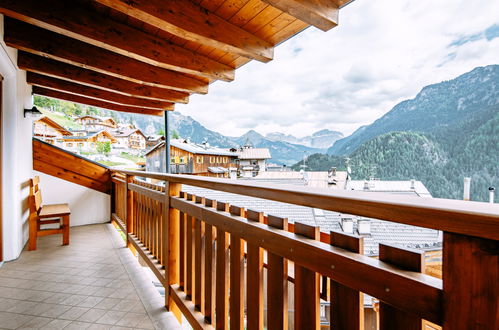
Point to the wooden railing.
(211, 256)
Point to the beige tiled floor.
(94, 283)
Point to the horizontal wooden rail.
(370, 274)
(461, 217)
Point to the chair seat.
(54, 210)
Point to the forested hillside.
(469, 148)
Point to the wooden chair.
(46, 214)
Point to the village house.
(48, 130)
(252, 161)
(129, 138)
(96, 123)
(190, 158)
(85, 141)
(153, 140)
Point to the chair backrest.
(35, 194)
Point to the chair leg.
(33, 233)
(65, 230)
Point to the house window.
(70, 145)
(80, 144)
(225, 160)
(199, 159)
(218, 160)
(212, 160)
(182, 160)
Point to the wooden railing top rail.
(461, 217)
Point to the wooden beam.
(190, 21)
(70, 176)
(42, 42)
(48, 67)
(96, 93)
(322, 14)
(93, 102)
(96, 29)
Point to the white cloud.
(381, 53)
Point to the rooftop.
(197, 149)
(254, 153)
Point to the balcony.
(220, 265)
(224, 266)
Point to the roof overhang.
(145, 56)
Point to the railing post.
(113, 198)
(172, 246)
(410, 260)
(471, 282)
(129, 209)
(306, 287)
(347, 304)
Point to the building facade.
(252, 161)
(95, 123)
(85, 142)
(130, 138)
(190, 158)
(47, 130)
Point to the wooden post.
(307, 299)
(389, 316)
(347, 305)
(471, 282)
(113, 198)
(222, 275)
(236, 298)
(209, 236)
(199, 276)
(173, 246)
(254, 279)
(129, 209)
(277, 283)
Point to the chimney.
(366, 185)
(467, 186)
(413, 184)
(347, 225)
(364, 226)
(491, 195)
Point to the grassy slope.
(61, 119)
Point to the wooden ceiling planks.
(90, 27)
(320, 13)
(52, 45)
(191, 22)
(150, 52)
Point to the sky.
(382, 52)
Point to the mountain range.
(321, 139)
(449, 131)
(287, 150)
(435, 107)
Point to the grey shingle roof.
(381, 231)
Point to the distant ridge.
(436, 106)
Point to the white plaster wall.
(17, 151)
(87, 206)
